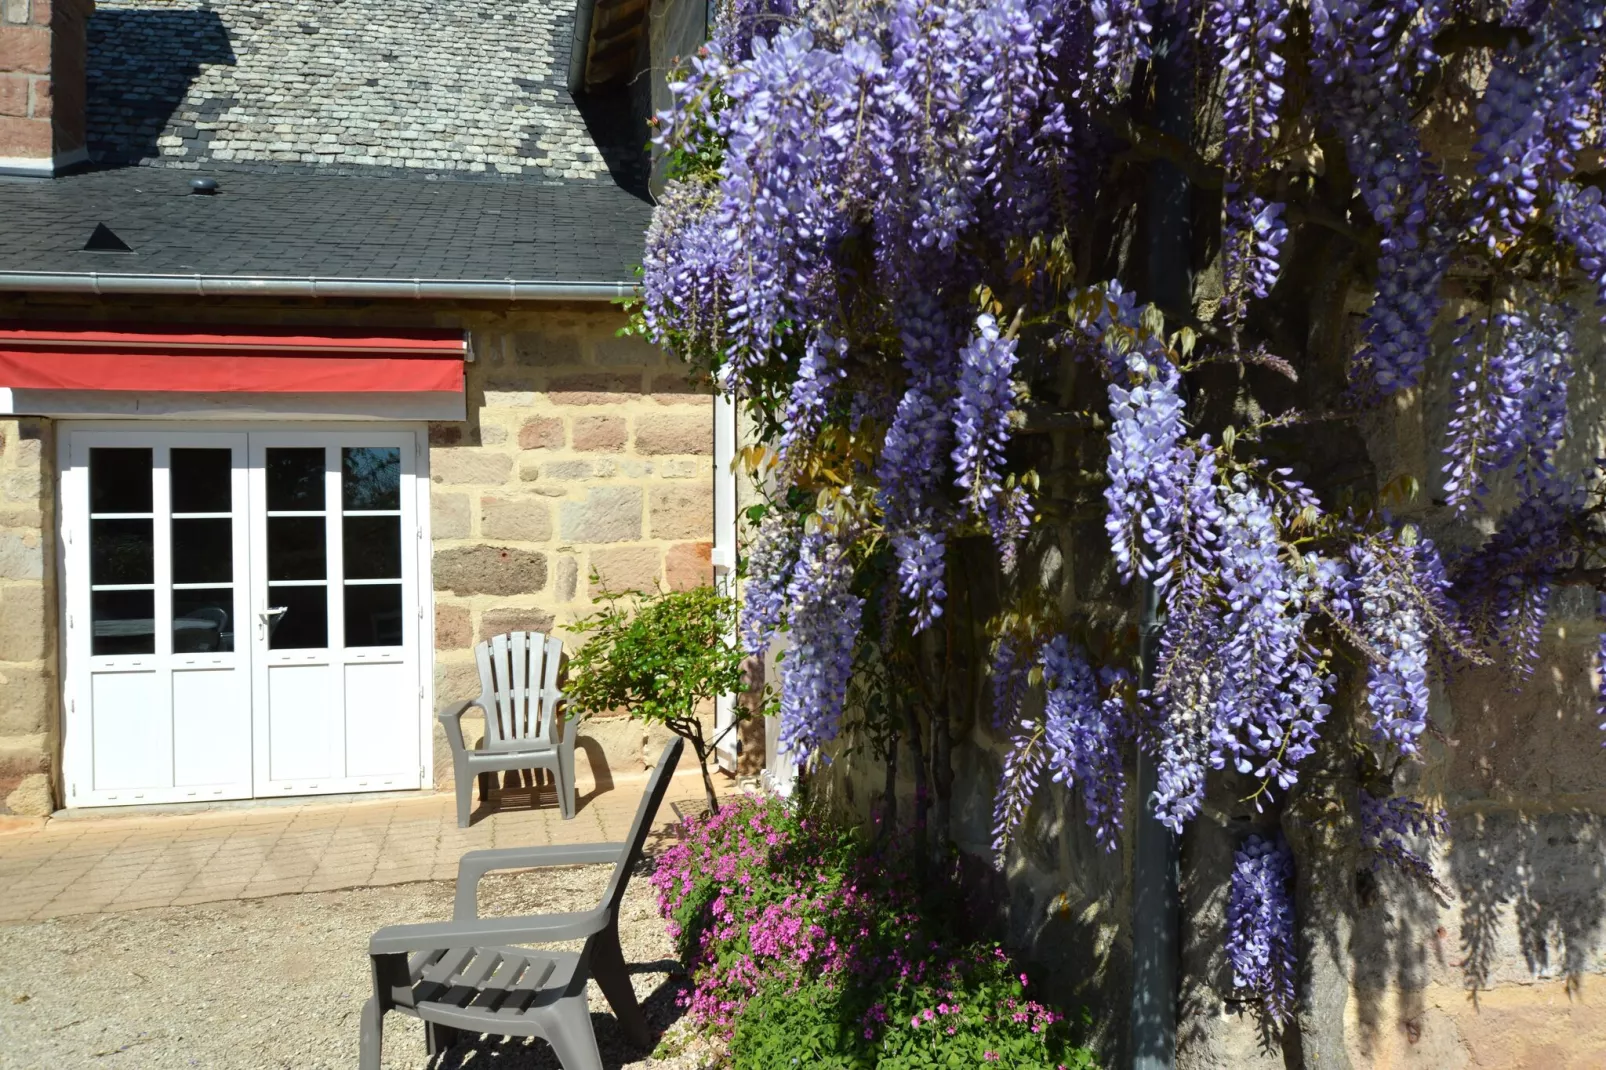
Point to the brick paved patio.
(118, 860)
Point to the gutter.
(94, 282)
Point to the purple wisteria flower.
(1260, 925)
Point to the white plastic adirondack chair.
(523, 730)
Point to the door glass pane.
(119, 480)
(295, 479)
(372, 547)
(203, 551)
(201, 481)
(122, 622)
(374, 614)
(203, 620)
(296, 548)
(304, 624)
(121, 551)
(371, 477)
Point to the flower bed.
(807, 949)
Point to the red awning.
(250, 360)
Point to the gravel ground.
(277, 983)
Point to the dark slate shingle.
(331, 226)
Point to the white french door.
(243, 614)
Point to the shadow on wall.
(141, 65)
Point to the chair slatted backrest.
(519, 688)
(657, 785)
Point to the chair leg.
(488, 784)
(438, 1038)
(564, 775)
(613, 977)
(371, 1044)
(571, 1036)
(465, 795)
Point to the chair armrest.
(484, 932)
(477, 864)
(451, 718)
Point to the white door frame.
(75, 771)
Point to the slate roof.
(463, 86)
(330, 226)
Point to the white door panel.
(154, 537)
(132, 740)
(335, 588)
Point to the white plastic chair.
(523, 728)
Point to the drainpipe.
(724, 554)
(1152, 1023)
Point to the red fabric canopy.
(253, 360)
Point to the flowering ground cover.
(807, 947)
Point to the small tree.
(660, 656)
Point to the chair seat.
(487, 989)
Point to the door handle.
(268, 617)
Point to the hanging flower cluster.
(1260, 924)
(872, 237)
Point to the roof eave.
(517, 290)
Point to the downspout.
(585, 12)
(1152, 1023)
(724, 556)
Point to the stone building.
(311, 379)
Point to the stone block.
(624, 568)
(27, 138)
(25, 49)
(518, 519)
(456, 678)
(14, 11)
(607, 514)
(449, 516)
(568, 578)
(543, 349)
(660, 434)
(688, 564)
(21, 556)
(42, 105)
(466, 570)
(684, 511)
(469, 464)
(594, 388)
(515, 619)
(454, 628)
(445, 434)
(677, 388)
(14, 94)
(628, 353)
(541, 433)
(23, 624)
(32, 797)
(600, 433)
(577, 469)
(22, 755)
(27, 701)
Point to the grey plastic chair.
(462, 975)
(523, 727)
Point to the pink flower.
(990, 1056)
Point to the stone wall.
(1506, 970)
(29, 697)
(586, 465)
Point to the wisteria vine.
(883, 224)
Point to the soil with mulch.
(278, 983)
